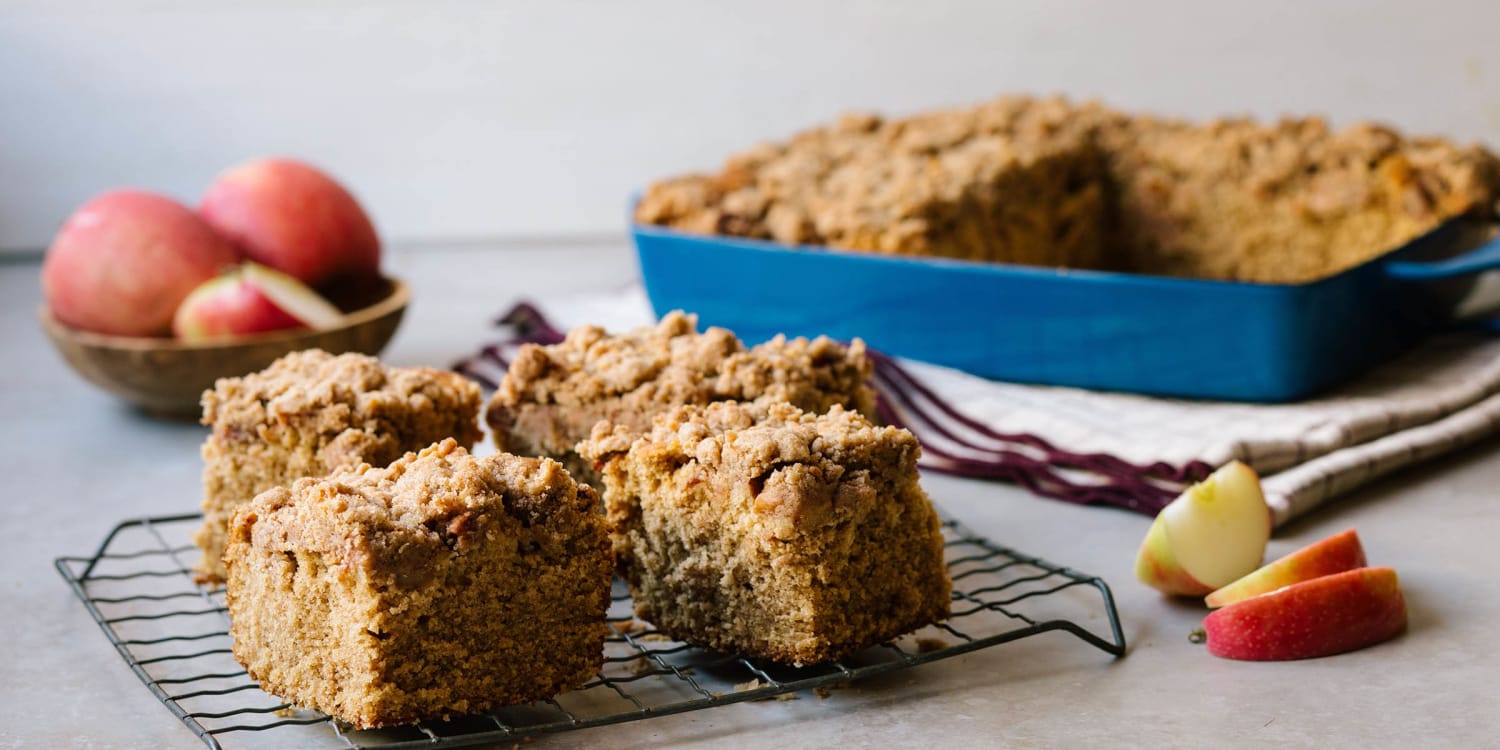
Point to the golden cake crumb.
(928, 645)
(763, 530)
(442, 585)
(311, 412)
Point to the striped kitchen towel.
(1130, 451)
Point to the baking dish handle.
(1483, 258)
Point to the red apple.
(1334, 554)
(251, 299)
(1319, 617)
(125, 260)
(294, 218)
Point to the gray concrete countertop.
(77, 462)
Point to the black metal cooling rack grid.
(174, 635)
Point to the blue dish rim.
(997, 268)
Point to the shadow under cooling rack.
(174, 635)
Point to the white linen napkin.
(1136, 451)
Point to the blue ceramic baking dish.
(1111, 331)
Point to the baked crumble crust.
(553, 395)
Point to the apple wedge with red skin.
(248, 300)
(1334, 554)
(1210, 536)
(1318, 617)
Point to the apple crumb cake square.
(442, 585)
(311, 412)
(763, 530)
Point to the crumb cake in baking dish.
(1050, 182)
(442, 585)
(311, 412)
(763, 530)
(553, 395)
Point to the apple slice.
(251, 299)
(1334, 554)
(1212, 534)
(1318, 617)
(294, 297)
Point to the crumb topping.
(676, 364)
(553, 395)
(396, 520)
(314, 391)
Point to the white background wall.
(460, 120)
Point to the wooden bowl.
(167, 377)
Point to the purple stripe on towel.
(905, 401)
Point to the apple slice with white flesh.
(1318, 617)
(1211, 535)
(251, 299)
(1335, 554)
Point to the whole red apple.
(251, 299)
(124, 261)
(294, 218)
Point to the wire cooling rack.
(174, 636)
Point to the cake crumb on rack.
(629, 626)
(929, 645)
(640, 665)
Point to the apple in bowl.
(295, 218)
(131, 268)
(125, 260)
(251, 299)
(167, 376)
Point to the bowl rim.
(398, 298)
